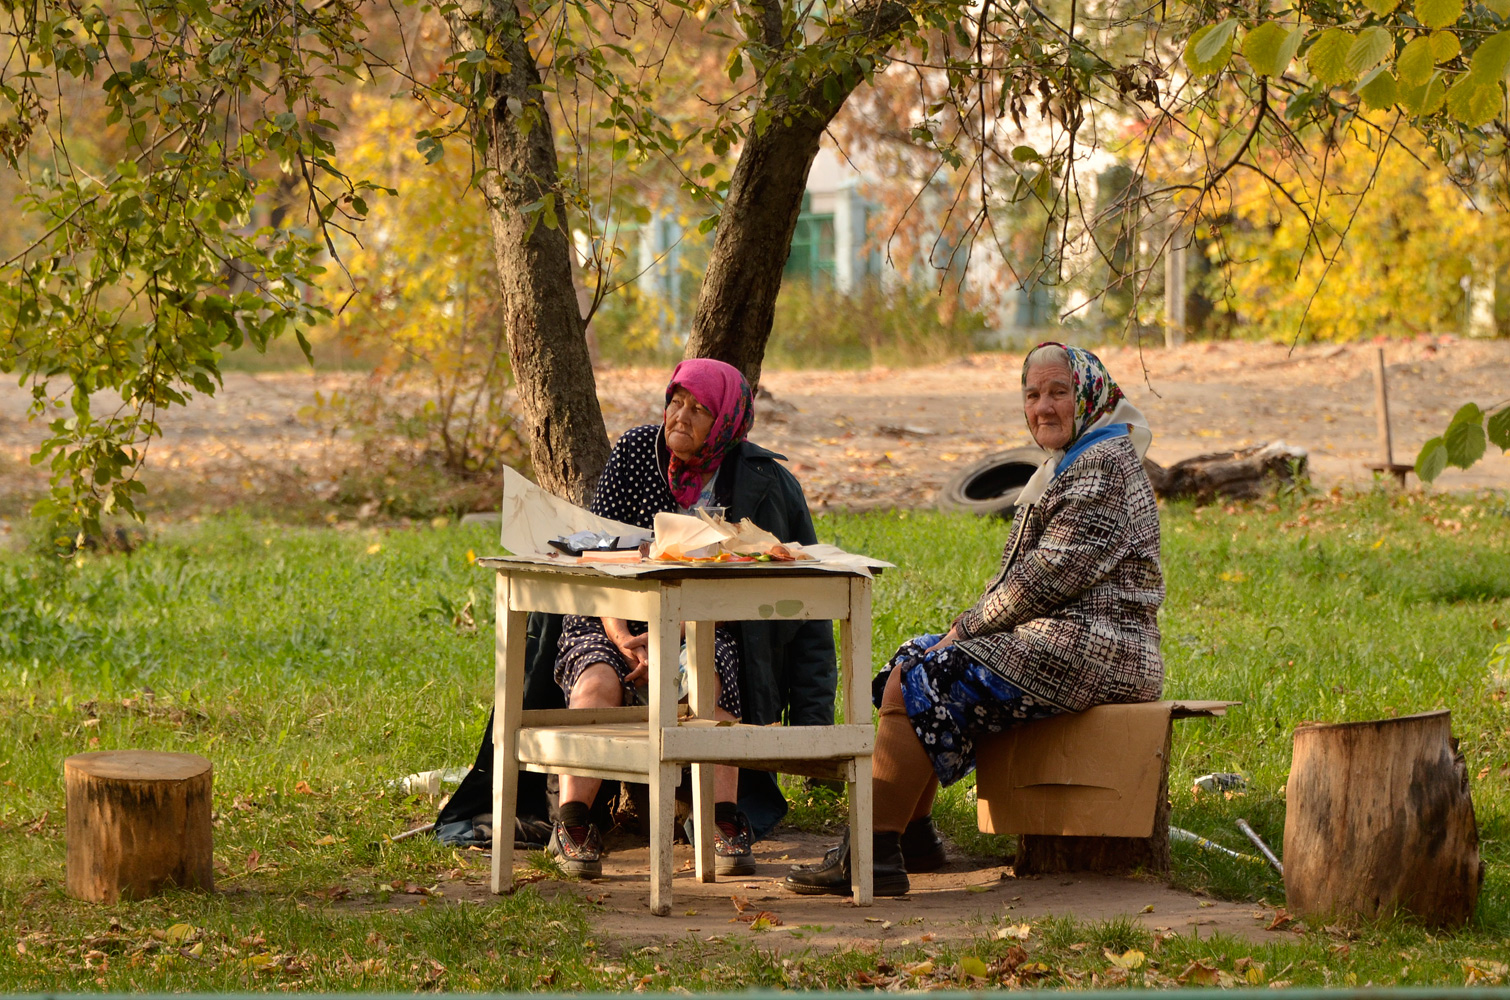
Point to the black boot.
(832, 875)
(922, 847)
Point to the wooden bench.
(1087, 791)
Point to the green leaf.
(1416, 63)
(1432, 460)
(1261, 47)
(1465, 443)
(1378, 89)
(1219, 38)
(1381, 7)
(1499, 429)
(1026, 154)
(1473, 102)
(1491, 58)
(1328, 57)
(1444, 45)
(1369, 49)
(1438, 13)
(1423, 100)
(1468, 413)
(1200, 67)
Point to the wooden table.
(651, 743)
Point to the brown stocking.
(903, 774)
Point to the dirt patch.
(881, 437)
(970, 899)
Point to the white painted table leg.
(665, 650)
(854, 676)
(700, 674)
(861, 829)
(662, 815)
(508, 702)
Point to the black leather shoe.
(922, 847)
(832, 874)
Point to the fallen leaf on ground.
(1199, 974)
(972, 966)
(1280, 920)
(1130, 959)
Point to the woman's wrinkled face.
(687, 424)
(1048, 401)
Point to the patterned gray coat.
(1072, 618)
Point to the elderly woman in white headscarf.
(1070, 621)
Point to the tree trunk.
(547, 337)
(138, 820)
(1377, 818)
(737, 302)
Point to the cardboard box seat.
(1097, 773)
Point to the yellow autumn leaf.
(972, 966)
(1129, 959)
(178, 934)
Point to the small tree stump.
(1378, 817)
(1042, 855)
(137, 820)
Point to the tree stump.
(1041, 855)
(137, 820)
(1378, 817)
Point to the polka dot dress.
(634, 489)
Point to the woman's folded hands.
(635, 648)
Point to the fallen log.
(1244, 474)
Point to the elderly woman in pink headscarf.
(698, 456)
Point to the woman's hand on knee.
(634, 648)
(944, 643)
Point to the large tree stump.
(1377, 818)
(137, 820)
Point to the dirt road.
(892, 436)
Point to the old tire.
(991, 485)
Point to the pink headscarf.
(724, 391)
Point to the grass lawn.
(315, 666)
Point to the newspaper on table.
(531, 517)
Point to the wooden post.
(138, 820)
(1386, 461)
(1377, 818)
(1381, 410)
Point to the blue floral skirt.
(951, 700)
